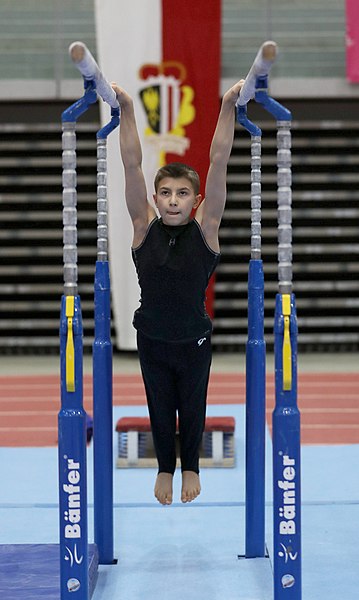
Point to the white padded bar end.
(261, 66)
(77, 51)
(89, 69)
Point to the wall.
(35, 35)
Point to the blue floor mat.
(32, 571)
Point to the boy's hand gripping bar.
(89, 69)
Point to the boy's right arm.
(141, 212)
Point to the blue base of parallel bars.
(72, 468)
(103, 419)
(255, 414)
(286, 468)
(32, 571)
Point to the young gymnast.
(175, 257)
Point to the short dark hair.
(177, 170)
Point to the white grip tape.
(89, 69)
(260, 68)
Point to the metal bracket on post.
(114, 122)
(242, 119)
(78, 108)
(276, 109)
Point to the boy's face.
(175, 199)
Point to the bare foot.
(191, 487)
(163, 488)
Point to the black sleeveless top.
(174, 265)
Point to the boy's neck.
(174, 227)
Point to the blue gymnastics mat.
(32, 571)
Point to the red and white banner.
(352, 40)
(166, 54)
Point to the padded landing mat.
(32, 571)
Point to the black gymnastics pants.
(176, 380)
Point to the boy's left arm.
(210, 212)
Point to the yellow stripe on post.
(70, 347)
(287, 349)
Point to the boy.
(175, 257)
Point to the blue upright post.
(102, 347)
(255, 361)
(72, 456)
(286, 455)
(102, 406)
(287, 555)
(255, 414)
(255, 348)
(102, 364)
(72, 417)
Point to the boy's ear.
(197, 201)
(154, 196)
